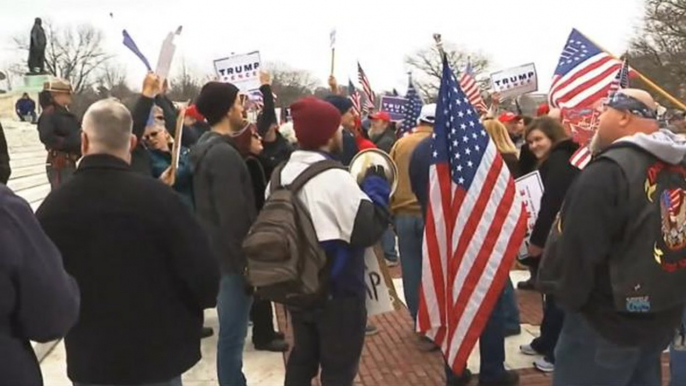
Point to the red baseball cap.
(508, 117)
(543, 109)
(381, 116)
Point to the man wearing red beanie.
(347, 218)
(225, 206)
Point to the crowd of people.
(128, 250)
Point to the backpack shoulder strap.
(312, 171)
(275, 179)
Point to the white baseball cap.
(428, 114)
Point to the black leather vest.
(648, 265)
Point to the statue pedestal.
(34, 83)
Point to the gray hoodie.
(663, 144)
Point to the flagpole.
(439, 45)
(333, 56)
(646, 80)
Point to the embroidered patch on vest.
(638, 304)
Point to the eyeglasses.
(623, 102)
(148, 137)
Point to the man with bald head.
(616, 256)
(143, 263)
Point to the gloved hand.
(377, 171)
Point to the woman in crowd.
(249, 144)
(553, 148)
(509, 152)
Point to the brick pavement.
(392, 357)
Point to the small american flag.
(354, 96)
(471, 88)
(412, 110)
(366, 87)
(583, 75)
(582, 157)
(475, 223)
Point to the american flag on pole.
(412, 110)
(366, 87)
(583, 75)
(471, 88)
(589, 121)
(475, 224)
(354, 96)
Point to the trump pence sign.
(515, 81)
(241, 70)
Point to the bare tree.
(184, 86)
(111, 81)
(73, 53)
(428, 67)
(290, 84)
(659, 49)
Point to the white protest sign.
(515, 81)
(530, 189)
(241, 70)
(381, 295)
(167, 55)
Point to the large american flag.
(475, 224)
(412, 110)
(582, 157)
(583, 75)
(366, 87)
(354, 96)
(471, 88)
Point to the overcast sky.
(378, 33)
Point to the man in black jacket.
(60, 132)
(225, 206)
(614, 259)
(276, 147)
(5, 170)
(143, 263)
(39, 301)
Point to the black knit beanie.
(215, 100)
(343, 104)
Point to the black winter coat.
(557, 174)
(275, 153)
(5, 170)
(39, 301)
(145, 270)
(60, 130)
(140, 157)
(224, 198)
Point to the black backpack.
(285, 262)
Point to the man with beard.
(225, 206)
(347, 218)
(613, 258)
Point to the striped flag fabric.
(584, 73)
(582, 157)
(471, 88)
(366, 88)
(412, 110)
(354, 96)
(475, 224)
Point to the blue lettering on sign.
(638, 304)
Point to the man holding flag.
(475, 222)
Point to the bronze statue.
(37, 48)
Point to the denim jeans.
(174, 382)
(510, 308)
(388, 244)
(551, 327)
(331, 337)
(491, 346)
(233, 309)
(410, 230)
(584, 358)
(677, 356)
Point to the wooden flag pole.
(333, 58)
(647, 81)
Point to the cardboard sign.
(241, 70)
(394, 106)
(530, 189)
(167, 55)
(515, 81)
(381, 295)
